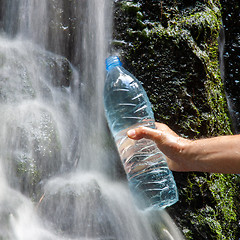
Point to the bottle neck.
(112, 62)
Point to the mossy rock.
(172, 48)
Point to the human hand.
(172, 145)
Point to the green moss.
(206, 219)
(28, 174)
(225, 191)
(130, 7)
(214, 199)
(220, 122)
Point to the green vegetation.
(173, 49)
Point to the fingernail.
(131, 133)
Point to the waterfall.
(58, 165)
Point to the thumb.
(144, 132)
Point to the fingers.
(144, 132)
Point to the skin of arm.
(217, 154)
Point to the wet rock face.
(70, 210)
(172, 47)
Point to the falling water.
(57, 164)
(221, 46)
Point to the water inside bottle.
(149, 177)
(126, 102)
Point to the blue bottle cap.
(112, 62)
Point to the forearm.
(218, 154)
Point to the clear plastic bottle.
(127, 106)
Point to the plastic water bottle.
(127, 106)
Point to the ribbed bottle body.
(127, 106)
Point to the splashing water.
(57, 167)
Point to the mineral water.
(127, 106)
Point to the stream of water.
(59, 171)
